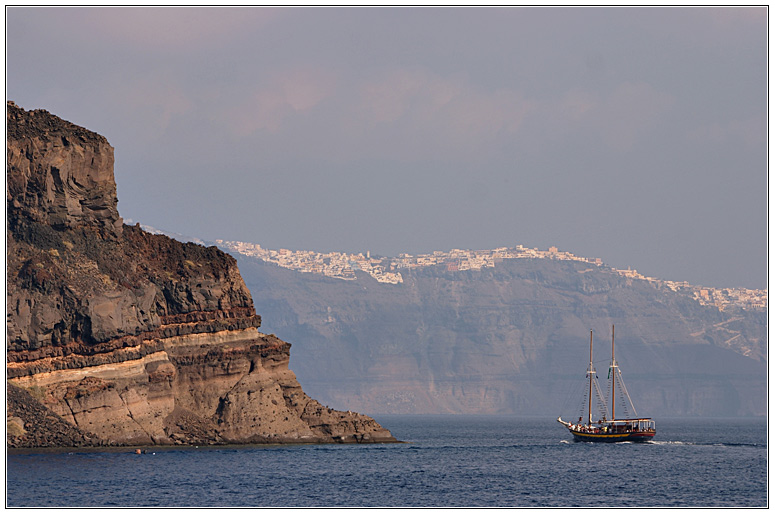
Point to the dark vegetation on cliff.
(45, 263)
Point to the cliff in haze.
(512, 338)
(118, 336)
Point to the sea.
(445, 461)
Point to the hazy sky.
(637, 135)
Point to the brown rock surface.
(127, 337)
(31, 424)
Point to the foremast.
(594, 387)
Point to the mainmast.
(613, 371)
(590, 372)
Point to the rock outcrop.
(125, 337)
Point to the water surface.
(448, 461)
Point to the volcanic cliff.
(116, 336)
(511, 339)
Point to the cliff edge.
(120, 337)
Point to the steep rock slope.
(511, 339)
(125, 337)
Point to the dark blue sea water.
(449, 461)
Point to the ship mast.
(613, 371)
(590, 372)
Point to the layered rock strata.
(127, 337)
(512, 339)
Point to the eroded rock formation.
(125, 337)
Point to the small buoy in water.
(138, 451)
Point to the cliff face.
(511, 339)
(128, 337)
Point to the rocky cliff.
(117, 336)
(511, 339)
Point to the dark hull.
(635, 436)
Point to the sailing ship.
(609, 429)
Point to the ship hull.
(635, 436)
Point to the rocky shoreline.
(32, 427)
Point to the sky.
(634, 134)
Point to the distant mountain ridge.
(341, 265)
